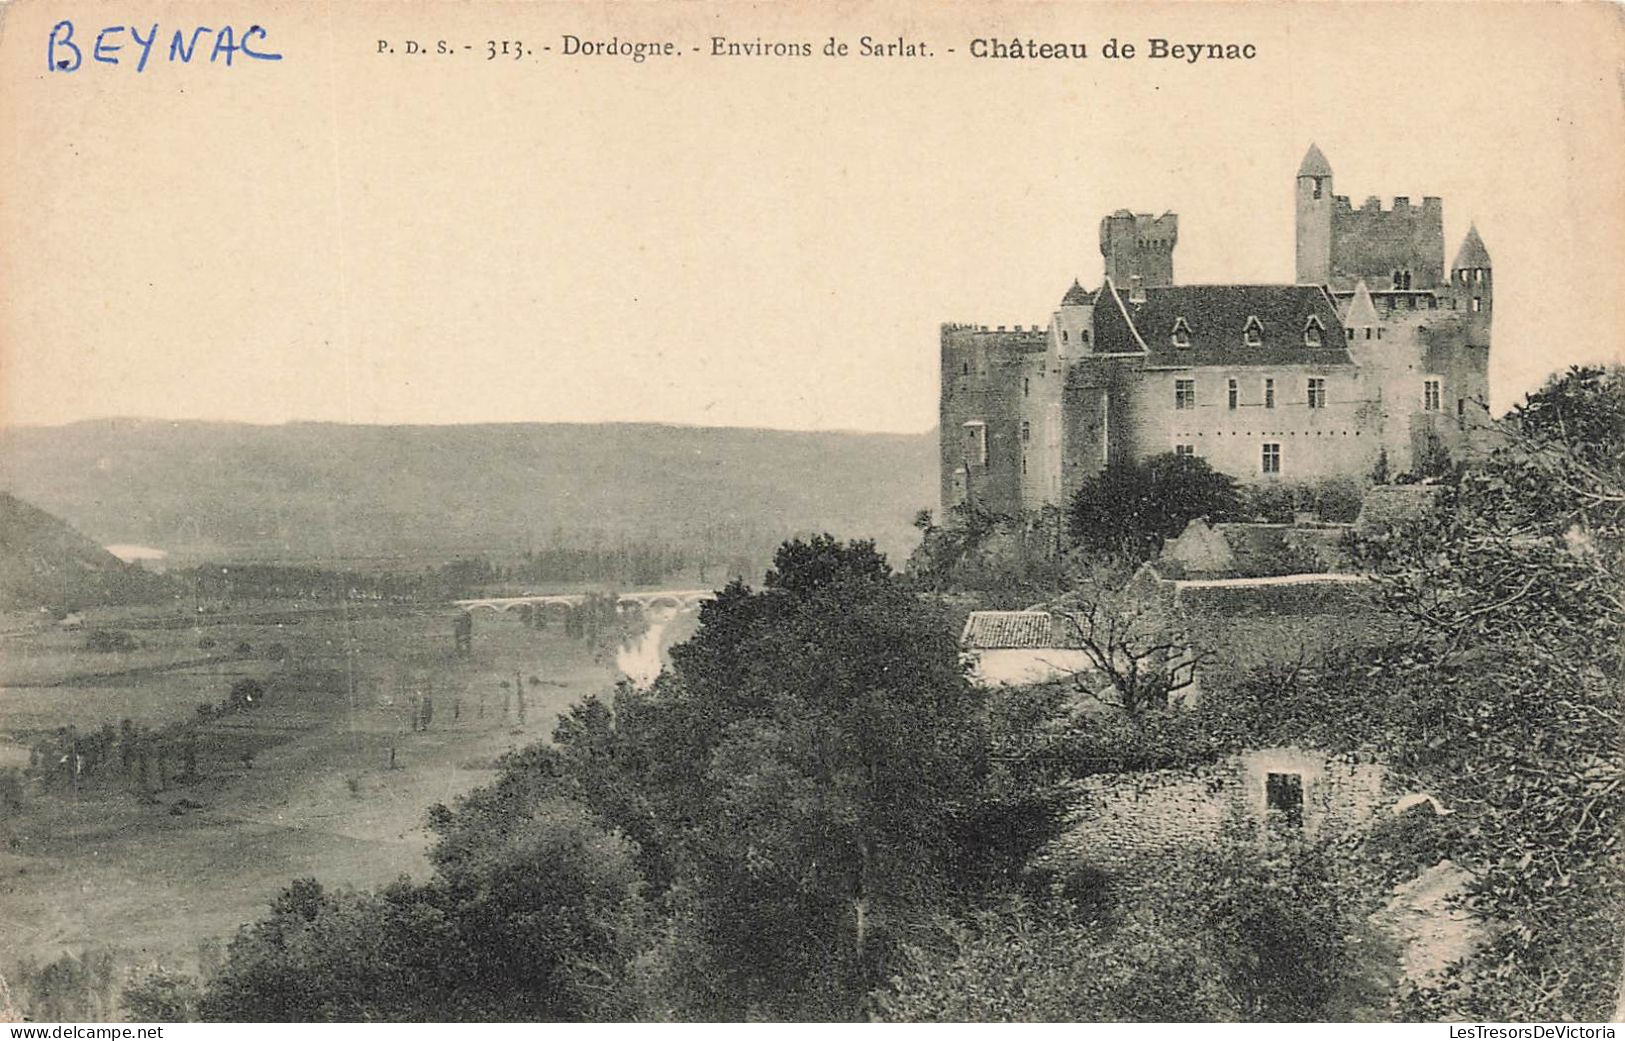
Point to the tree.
(1512, 586)
(802, 780)
(1249, 930)
(805, 566)
(1129, 508)
(162, 996)
(1128, 632)
(536, 916)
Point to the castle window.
(1063, 335)
(1379, 332)
(1232, 393)
(1313, 331)
(1024, 464)
(1026, 431)
(964, 368)
(1270, 463)
(1350, 331)
(1461, 408)
(1478, 274)
(1253, 334)
(1269, 393)
(976, 441)
(1184, 394)
(1083, 336)
(1478, 303)
(1368, 332)
(1283, 796)
(1182, 333)
(1184, 449)
(1317, 392)
(1317, 187)
(1430, 395)
(1026, 386)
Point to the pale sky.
(369, 238)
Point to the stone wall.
(1125, 822)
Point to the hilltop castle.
(1374, 351)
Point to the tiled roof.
(1077, 296)
(1217, 317)
(1006, 630)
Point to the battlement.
(1401, 205)
(965, 327)
(1139, 245)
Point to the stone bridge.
(671, 599)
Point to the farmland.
(329, 772)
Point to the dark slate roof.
(1005, 630)
(1472, 252)
(1217, 318)
(1314, 163)
(1077, 296)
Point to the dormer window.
(1253, 334)
(1314, 332)
(1182, 333)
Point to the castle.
(1375, 352)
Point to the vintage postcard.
(727, 512)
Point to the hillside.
(305, 492)
(45, 563)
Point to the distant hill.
(45, 563)
(321, 492)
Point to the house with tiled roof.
(1021, 647)
(1373, 351)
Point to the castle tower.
(1138, 246)
(1314, 219)
(1474, 287)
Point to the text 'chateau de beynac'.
(1372, 350)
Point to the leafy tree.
(805, 566)
(162, 996)
(1129, 508)
(536, 918)
(1512, 586)
(1250, 930)
(806, 780)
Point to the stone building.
(1375, 349)
(1130, 821)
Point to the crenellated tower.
(1139, 248)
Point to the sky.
(351, 236)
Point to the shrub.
(1338, 499)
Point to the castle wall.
(1315, 443)
(1370, 243)
(1097, 406)
(1418, 345)
(982, 383)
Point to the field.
(324, 776)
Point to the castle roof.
(1314, 164)
(1077, 296)
(1361, 311)
(1472, 252)
(1213, 325)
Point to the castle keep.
(1376, 350)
